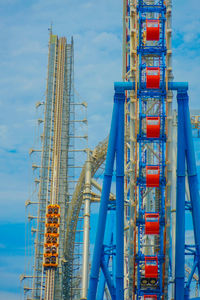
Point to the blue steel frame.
(186, 154)
(157, 52)
(156, 49)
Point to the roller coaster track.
(98, 157)
(56, 163)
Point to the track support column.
(185, 154)
(192, 179)
(115, 146)
(180, 205)
(120, 204)
(86, 234)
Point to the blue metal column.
(108, 240)
(104, 203)
(192, 178)
(108, 278)
(180, 205)
(120, 202)
(116, 144)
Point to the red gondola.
(150, 297)
(152, 78)
(151, 267)
(152, 176)
(153, 127)
(152, 30)
(151, 223)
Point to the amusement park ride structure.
(139, 250)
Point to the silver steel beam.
(86, 228)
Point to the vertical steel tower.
(147, 56)
(56, 167)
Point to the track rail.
(98, 157)
(56, 163)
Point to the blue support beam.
(173, 86)
(180, 206)
(102, 282)
(185, 153)
(191, 276)
(192, 179)
(115, 146)
(120, 204)
(108, 241)
(108, 279)
(104, 203)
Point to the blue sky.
(97, 30)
